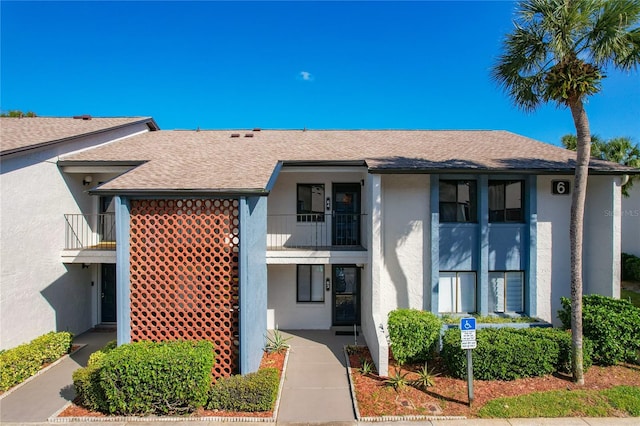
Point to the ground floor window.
(310, 283)
(457, 292)
(507, 291)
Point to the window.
(506, 201)
(458, 201)
(457, 292)
(310, 205)
(507, 291)
(310, 283)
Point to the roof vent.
(235, 135)
(82, 117)
(248, 135)
(256, 129)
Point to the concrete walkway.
(316, 386)
(48, 392)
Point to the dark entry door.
(346, 214)
(108, 292)
(346, 295)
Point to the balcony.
(337, 232)
(89, 238)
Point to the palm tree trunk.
(576, 234)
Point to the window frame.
(310, 281)
(473, 199)
(505, 215)
(458, 300)
(310, 216)
(504, 273)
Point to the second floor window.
(458, 201)
(310, 202)
(506, 201)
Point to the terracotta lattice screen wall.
(184, 274)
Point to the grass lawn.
(567, 403)
(630, 295)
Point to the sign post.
(468, 342)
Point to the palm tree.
(558, 52)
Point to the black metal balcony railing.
(315, 231)
(90, 231)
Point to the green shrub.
(157, 378)
(253, 392)
(22, 362)
(612, 325)
(509, 353)
(86, 381)
(630, 267)
(413, 334)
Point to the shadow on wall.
(70, 298)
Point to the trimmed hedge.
(613, 325)
(509, 353)
(630, 267)
(87, 380)
(169, 377)
(413, 334)
(22, 362)
(254, 392)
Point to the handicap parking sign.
(467, 324)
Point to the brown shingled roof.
(215, 161)
(17, 134)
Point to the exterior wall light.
(87, 180)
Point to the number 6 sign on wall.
(560, 187)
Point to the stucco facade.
(39, 293)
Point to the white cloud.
(305, 76)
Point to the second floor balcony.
(90, 231)
(336, 231)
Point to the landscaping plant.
(20, 363)
(169, 377)
(253, 392)
(613, 325)
(413, 334)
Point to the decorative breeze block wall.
(184, 274)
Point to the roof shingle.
(213, 160)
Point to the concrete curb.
(89, 419)
(42, 371)
(378, 419)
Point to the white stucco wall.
(38, 293)
(631, 221)
(602, 236)
(553, 272)
(284, 312)
(405, 242)
(601, 243)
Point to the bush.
(413, 334)
(157, 378)
(22, 362)
(509, 354)
(612, 325)
(630, 267)
(253, 392)
(87, 380)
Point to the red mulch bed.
(375, 398)
(274, 360)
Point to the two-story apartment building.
(225, 234)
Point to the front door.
(346, 295)
(346, 214)
(108, 292)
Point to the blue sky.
(319, 65)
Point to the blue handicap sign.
(467, 324)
